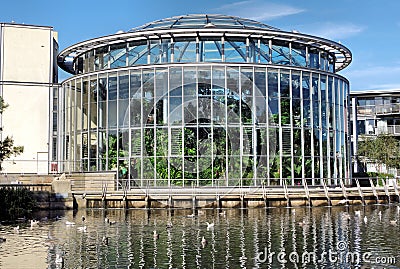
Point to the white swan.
(34, 222)
(82, 229)
(155, 234)
(203, 242)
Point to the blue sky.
(369, 28)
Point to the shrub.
(15, 202)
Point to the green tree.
(7, 148)
(383, 150)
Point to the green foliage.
(7, 148)
(383, 150)
(299, 140)
(3, 105)
(113, 152)
(16, 202)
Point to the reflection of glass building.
(206, 100)
(374, 113)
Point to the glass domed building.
(206, 100)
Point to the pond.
(319, 237)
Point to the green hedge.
(15, 203)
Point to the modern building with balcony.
(206, 100)
(374, 113)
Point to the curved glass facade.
(207, 112)
(205, 49)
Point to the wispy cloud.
(258, 10)
(335, 31)
(374, 77)
(374, 71)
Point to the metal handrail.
(326, 191)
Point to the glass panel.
(100, 61)
(136, 142)
(90, 59)
(260, 82)
(210, 50)
(252, 51)
(204, 81)
(148, 169)
(137, 53)
(112, 101)
(123, 113)
(285, 99)
(296, 101)
(102, 150)
(280, 53)
(155, 55)
(175, 81)
(316, 101)
(314, 58)
(165, 50)
(85, 102)
(148, 96)
(298, 55)
(102, 96)
(323, 104)
(185, 50)
(118, 55)
(246, 84)
(175, 110)
(136, 84)
(161, 82)
(93, 151)
(79, 112)
(324, 61)
(136, 111)
(264, 54)
(306, 99)
(218, 80)
(135, 170)
(235, 51)
(123, 85)
(93, 103)
(273, 95)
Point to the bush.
(15, 203)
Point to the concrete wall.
(26, 53)
(26, 84)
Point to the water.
(241, 238)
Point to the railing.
(389, 129)
(379, 109)
(42, 187)
(97, 183)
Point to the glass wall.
(378, 114)
(208, 125)
(205, 49)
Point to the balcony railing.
(389, 129)
(379, 109)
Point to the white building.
(28, 77)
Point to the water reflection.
(332, 237)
